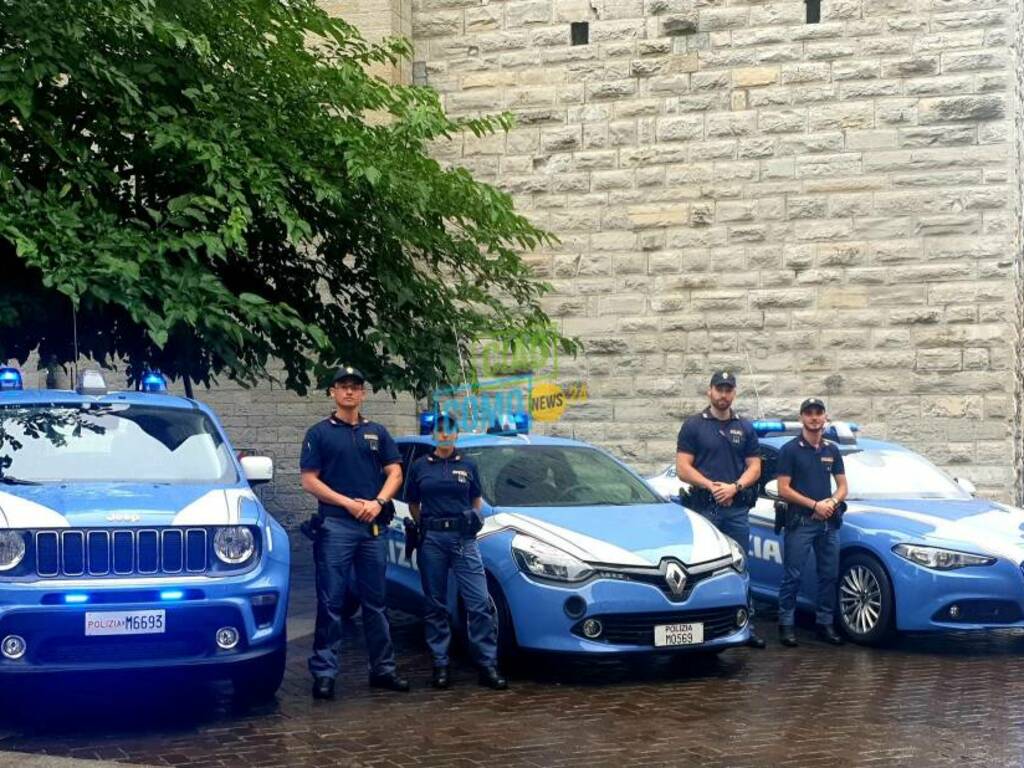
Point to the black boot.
(828, 634)
(440, 680)
(390, 682)
(490, 677)
(787, 636)
(755, 640)
(323, 688)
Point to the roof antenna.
(74, 336)
(757, 395)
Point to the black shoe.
(755, 640)
(828, 634)
(440, 680)
(787, 636)
(323, 688)
(490, 677)
(390, 682)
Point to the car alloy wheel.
(860, 599)
(866, 606)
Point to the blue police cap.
(723, 379)
(347, 372)
(812, 402)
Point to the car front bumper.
(973, 598)
(54, 632)
(628, 612)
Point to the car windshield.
(879, 474)
(99, 442)
(555, 476)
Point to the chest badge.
(461, 475)
(372, 441)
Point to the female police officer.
(444, 496)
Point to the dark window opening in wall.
(580, 32)
(813, 11)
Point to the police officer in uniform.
(806, 467)
(717, 454)
(353, 468)
(445, 498)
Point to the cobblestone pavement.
(954, 700)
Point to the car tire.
(865, 601)
(258, 682)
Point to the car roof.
(470, 440)
(59, 397)
(863, 443)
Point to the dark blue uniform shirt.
(443, 487)
(350, 458)
(719, 448)
(810, 469)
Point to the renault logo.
(675, 576)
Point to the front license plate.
(125, 622)
(679, 634)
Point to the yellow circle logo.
(547, 401)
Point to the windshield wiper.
(11, 480)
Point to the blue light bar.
(172, 594)
(153, 382)
(10, 378)
(427, 421)
(76, 598)
(764, 426)
(510, 424)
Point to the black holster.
(413, 537)
(310, 528)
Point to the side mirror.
(966, 485)
(258, 469)
(771, 490)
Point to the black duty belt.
(443, 523)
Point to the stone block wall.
(825, 208)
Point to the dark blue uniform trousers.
(734, 522)
(799, 541)
(346, 548)
(439, 552)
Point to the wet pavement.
(924, 701)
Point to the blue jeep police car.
(919, 552)
(582, 557)
(130, 538)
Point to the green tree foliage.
(214, 184)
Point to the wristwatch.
(381, 501)
(739, 485)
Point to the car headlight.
(12, 549)
(940, 559)
(234, 545)
(547, 562)
(739, 558)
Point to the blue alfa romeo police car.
(918, 551)
(130, 538)
(582, 557)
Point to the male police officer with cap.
(806, 467)
(717, 454)
(352, 466)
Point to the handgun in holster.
(413, 537)
(781, 516)
(310, 528)
(837, 517)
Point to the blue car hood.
(124, 504)
(638, 534)
(969, 525)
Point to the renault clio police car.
(130, 538)
(582, 557)
(918, 552)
